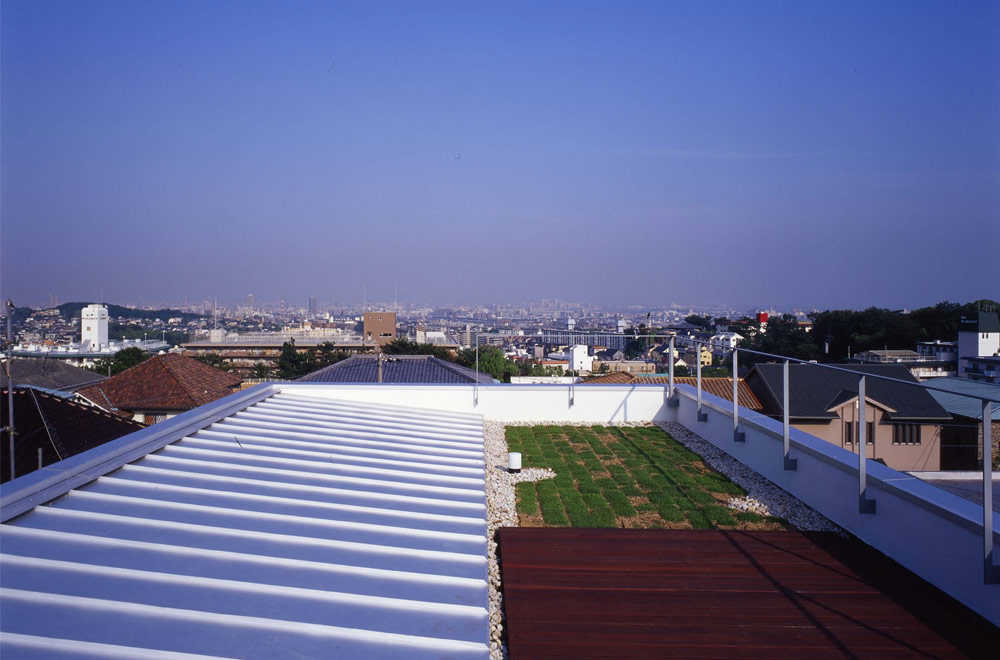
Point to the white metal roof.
(297, 527)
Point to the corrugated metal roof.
(298, 527)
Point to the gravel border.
(501, 511)
(763, 497)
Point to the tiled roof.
(49, 373)
(163, 382)
(300, 527)
(720, 387)
(814, 390)
(966, 406)
(395, 369)
(57, 426)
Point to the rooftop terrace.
(351, 517)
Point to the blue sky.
(822, 154)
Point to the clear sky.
(837, 154)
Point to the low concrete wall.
(935, 534)
(594, 404)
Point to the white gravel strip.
(763, 497)
(501, 511)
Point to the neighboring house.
(381, 368)
(610, 355)
(691, 356)
(662, 353)
(938, 350)
(921, 366)
(161, 387)
(576, 358)
(720, 387)
(724, 342)
(962, 441)
(49, 373)
(903, 422)
(50, 427)
(627, 366)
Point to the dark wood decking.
(623, 593)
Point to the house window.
(849, 430)
(906, 434)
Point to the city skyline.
(766, 155)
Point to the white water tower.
(94, 326)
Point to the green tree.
(700, 321)
(784, 337)
(292, 364)
(402, 346)
(120, 361)
(214, 360)
(259, 371)
(327, 353)
(491, 361)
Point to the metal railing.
(866, 503)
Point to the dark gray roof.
(50, 373)
(396, 369)
(59, 427)
(953, 402)
(814, 390)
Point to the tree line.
(839, 334)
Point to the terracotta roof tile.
(163, 382)
(720, 387)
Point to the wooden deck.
(623, 593)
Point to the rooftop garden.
(636, 477)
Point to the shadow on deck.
(623, 593)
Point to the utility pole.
(10, 383)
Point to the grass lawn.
(622, 477)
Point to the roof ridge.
(168, 366)
(457, 368)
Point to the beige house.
(624, 366)
(902, 422)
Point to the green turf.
(600, 468)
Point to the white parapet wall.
(935, 534)
(594, 404)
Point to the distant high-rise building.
(250, 300)
(53, 300)
(312, 307)
(94, 326)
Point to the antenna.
(364, 296)
(395, 297)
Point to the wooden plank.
(616, 593)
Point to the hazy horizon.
(755, 154)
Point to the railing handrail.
(781, 358)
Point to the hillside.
(72, 309)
